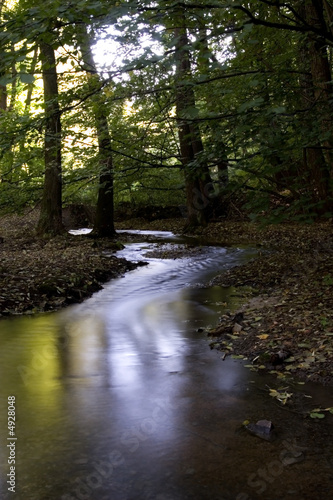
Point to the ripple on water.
(120, 398)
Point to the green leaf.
(26, 78)
(317, 415)
(250, 104)
(279, 110)
(5, 80)
(191, 112)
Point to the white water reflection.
(83, 230)
(125, 374)
(121, 371)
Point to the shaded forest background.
(210, 107)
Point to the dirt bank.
(38, 274)
(287, 322)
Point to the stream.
(120, 397)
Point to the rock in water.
(263, 429)
(278, 358)
(238, 318)
(237, 328)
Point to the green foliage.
(319, 412)
(248, 80)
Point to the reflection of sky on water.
(127, 371)
(127, 354)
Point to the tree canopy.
(196, 104)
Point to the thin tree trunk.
(31, 85)
(14, 83)
(104, 219)
(3, 88)
(3, 97)
(50, 221)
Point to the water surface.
(120, 398)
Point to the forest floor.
(40, 274)
(285, 324)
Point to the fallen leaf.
(317, 415)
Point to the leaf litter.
(287, 294)
(40, 274)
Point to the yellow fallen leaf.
(264, 336)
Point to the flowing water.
(120, 398)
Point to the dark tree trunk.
(219, 200)
(322, 78)
(104, 219)
(50, 221)
(198, 183)
(317, 96)
(316, 176)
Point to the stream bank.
(287, 290)
(119, 397)
(287, 294)
(39, 275)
